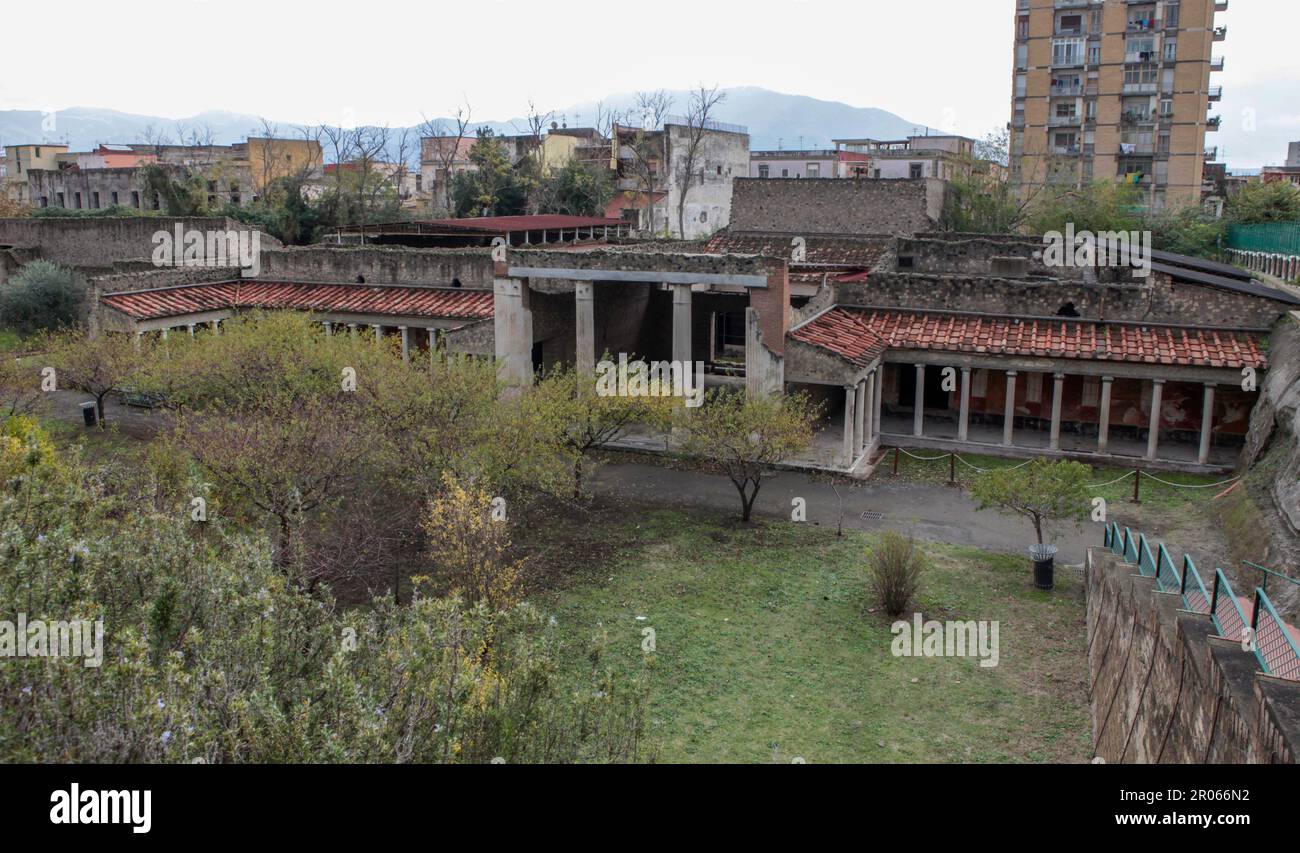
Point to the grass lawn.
(766, 649)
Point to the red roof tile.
(339, 298)
(854, 332)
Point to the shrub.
(42, 297)
(896, 565)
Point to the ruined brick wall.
(1165, 690)
(836, 206)
(472, 268)
(1159, 300)
(95, 243)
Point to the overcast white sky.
(945, 63)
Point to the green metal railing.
(1279, 238)
(1273, 641)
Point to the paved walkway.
(933, 512)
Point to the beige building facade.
(1115, 89)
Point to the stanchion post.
(1137, 482)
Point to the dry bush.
(895, 566)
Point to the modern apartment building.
(1115, 89)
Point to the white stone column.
(880, 391)
(216, 327)
(433, 345)
(191, 329)
(164, 334)
(513, 324)
(329, 328)
(870, 426)
(1058, 386)
(963, 425)
(1207, 422)
(1009, 409)
(848, 424)
(1103, 414)
(379, 333)
(137, 340)
(585, 322)
(859, 417)
(352, 331)
(918, 405)
(406, 343)
(1153, 434)
(682, 323)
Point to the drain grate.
(872, 515)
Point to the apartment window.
(1096, 22)
(1065, 109)
(1094, 54)
(1087, 171)
(1065, 142)
(1069, 25)
(1140, 50)
(914, 170)
(1022, 28)
(1167, 81)
(1166, 106)
(1171, 16)
(1022, 56)
(1171, 50)
(1022, 83)
(1164, 142)
(763, 170)
(814, 170)
(1067, 51)
(1090, 108)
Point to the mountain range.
(774, 120)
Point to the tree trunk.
(99, 408)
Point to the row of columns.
(862, 415)
(379, 335)
(215, 325)
(1058, 386)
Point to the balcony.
(1212, 154)
(1070, 31)
(1142, 57)
(1213, 123)
(1140, 88)
(1137, 117)
(1063, 121)
(1064, 150)
(1216, 93)
(1066, 90)
(1220, 33)
(1070, 4)
(1145, 25)
(1216, 64)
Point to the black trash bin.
(88, 414)
(1044, 557)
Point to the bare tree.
(644, 139)
(535, 126)
(704, 102)
(448, 137)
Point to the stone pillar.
(585, 322)
(513, 324)
(164, 334)
(1153, 434)
(379, 333)
(1058, 386)
(433, 345)
(963, 425)
(329, 328)
(406, 343)
(191, 329)
(870, 426)
(1103, 414)
(682, 323)
(848, 424)
(136, 341)
(216, 327)
(352, 331)
(859, 417)
(918, 405)
(880, 391)
(1009, 409)
(1207, 422)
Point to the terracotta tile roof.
(857, 253)
(852, 332)
(339, 298)
(844, 333)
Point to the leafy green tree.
(42, 297)
(1188, 230)
(1043, 491)
(578, 189)
(746, 436)
(100, 365)
(1099, 206)
(183, 193)
(492, 187)
(1276, 201)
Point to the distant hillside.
(775, 120)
